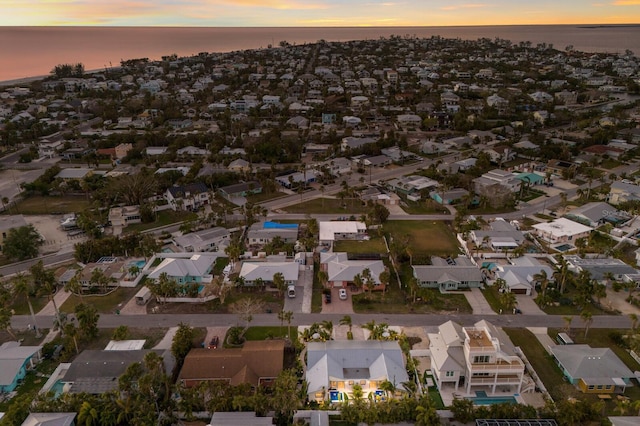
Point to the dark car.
(327, 297)
(213, 344)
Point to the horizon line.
(588, 24)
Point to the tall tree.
(22, 243)
(88, 317)
(286, 398)
(44, 281)
(182, 343)
(279, 283)
(22, 285)
(587, 318)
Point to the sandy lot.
(55, 238)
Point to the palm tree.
(88, 415)
(388, 387)
(346, 320)
(587, 318)
(567, 323)
(634, 322)
(328, 327)
(542, 279)
(21, 285)
(561, 272)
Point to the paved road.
(50, 260)
(412, 320)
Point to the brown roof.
(256, 360)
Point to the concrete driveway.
(337, 306)
(478, 303)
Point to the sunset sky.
(293, 13)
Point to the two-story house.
(480, 357)
(188, 197)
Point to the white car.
(342, 293)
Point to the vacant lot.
(425, 238)
(374, 245)
(106, 304)
(50, 205)
(347, 207)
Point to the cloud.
(274, 4)
(464, 6)
(626, 3)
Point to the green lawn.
(423, 207)
(316, 296)
(374, 245)
(545, 367)
(347, 207)
(20, 306)
(492, 296)
(104, 304)
(165, 217)
(265, 196)
(264, 333)
(50, 205)
(396, 301)
(426, 238)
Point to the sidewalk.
(60, 297)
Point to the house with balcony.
(334, 367)
(188, 197)
(125, 215)
(480, 357)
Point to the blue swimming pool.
(564, 247)
(481, 398)
(139, 263)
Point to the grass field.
(20, 306)
(426, 238)
(50, 205)
(165, 217)
(396, 301)
(423, 207)
(264, 333)
(374, 245)
(329, 206)
(265, 196)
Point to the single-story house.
(50, 419)
(502, 235)
(451, 196)
(592, 370)
(597, 213)
(242, 189)
(264, 232)
(123, 216)
(334, 367)
(341, 270)
(600, 268)
(97, 371)
(251, 272)
(448, 274)
(561, 231)
(341, 230)
(15, 360)
(295, 179)
(212, 239)
(257, 363)
(519, 275)
(186, 270)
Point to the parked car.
(342, 294)
(327, 298)
(213, 344)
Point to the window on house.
(363, 382)
(591, 387)
(334, 384)
(450, 373)
(481, 359)
(599, 387)
(351, 382)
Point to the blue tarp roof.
(276, 225)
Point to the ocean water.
(34, 51)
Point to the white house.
(341, 230)
(253, 271)
(480, 357)
(561, 231)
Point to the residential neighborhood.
(391, 231)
